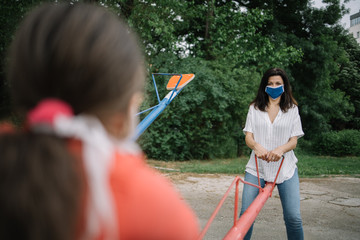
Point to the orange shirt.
(148, 207)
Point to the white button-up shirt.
(270, 136)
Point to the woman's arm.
(259, 150)
(276, 154)
(270, 156)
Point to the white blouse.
(270, 136)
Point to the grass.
(309, 166)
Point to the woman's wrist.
(256, 146)
(281, 151)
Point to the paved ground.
(330, 206)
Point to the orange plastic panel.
(186, 78)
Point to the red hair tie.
(47, 110)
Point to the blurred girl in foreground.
(76, 75)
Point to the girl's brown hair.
(78, 53)
(83, 55)
(287, 100)
(39, 188)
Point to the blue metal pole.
(145, 123)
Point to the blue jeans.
(289, 192)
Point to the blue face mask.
(274, 92)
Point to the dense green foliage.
(326, 49)
(10, 15)
(338, 143)
(220, 44)
(348, 81)
(228, 45)
(201, 123)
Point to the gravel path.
(330, 206)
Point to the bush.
(206, 120)
(338, 143)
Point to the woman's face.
(275, 81)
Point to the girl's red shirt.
(147, 205)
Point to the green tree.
(223, 47)
(206, 120)
(10, 14)
(318, 34)
(348, 81)
(223, 44)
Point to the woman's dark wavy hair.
(287, 100)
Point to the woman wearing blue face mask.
(272, 129)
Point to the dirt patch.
(330, 206)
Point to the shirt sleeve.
(296, 127)
(249, 123)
